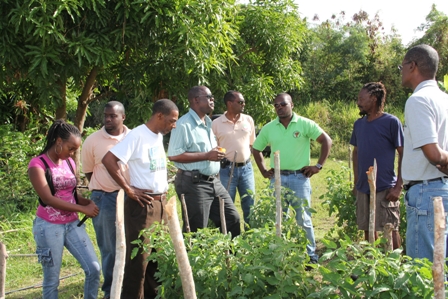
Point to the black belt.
(241, 164)
(412, 183)
(158, 196)
(98, 190)
(202, 176)
(289, 172)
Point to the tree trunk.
(3, 257)
(120, 249)
(83, 103)
(278, 195)
(186, 275)
(439, 248)
(371, 176)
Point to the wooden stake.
(224, 228)
(439, 248)
(278, 194)
(387, 231)
(350, 165)
(120, 249)
(184, 208)
(186, 275)
(371, 176)
(3, 257)
(232, 169)
(222, 216)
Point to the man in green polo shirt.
(291, 134)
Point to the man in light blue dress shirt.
(194, 151)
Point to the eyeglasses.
(400, 67)
(208, 96)
(283, 104)
(241, 102)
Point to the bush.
(16, 150)
(364, 271)
(260, 264)
(341, 202)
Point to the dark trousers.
(202, 203)
(139, 281)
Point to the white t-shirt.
(426, 122)
(142, 150)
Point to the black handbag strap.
(49, 177)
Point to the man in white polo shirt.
(425, 155)
(235, 132)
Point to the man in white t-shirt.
(142, 150)
(425, 155)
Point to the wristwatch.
(319, 166)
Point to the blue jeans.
(301, 187)
(420, 217)
(50, 240)
(243, 179)
(104, 225)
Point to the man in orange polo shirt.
(103, 186)
(235, 132)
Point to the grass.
(24, 272)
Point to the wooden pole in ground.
(439, 248)
(120, 249)
(278, 194)
(371, 176)
(350, 165)
(186, 275)
(3, 257)
(387, 233)
(232, 169)
(184, 208)
(222, 216)
(224, 227)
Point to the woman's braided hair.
(59, 129)
(378, 90)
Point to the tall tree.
(436, 35)
(344, 55)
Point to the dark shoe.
(309, 267)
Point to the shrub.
(16, 150)
(260, 264)
(341, 202)
(364, 271)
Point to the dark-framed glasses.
(283, 104)
(241, 102)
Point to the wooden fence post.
(120, 249)
(439, 248)
(278, 194)
(387, 233)
(3, 257)
(186, 274)
(371, 176)
(184, 208)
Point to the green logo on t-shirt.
(296, 134)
